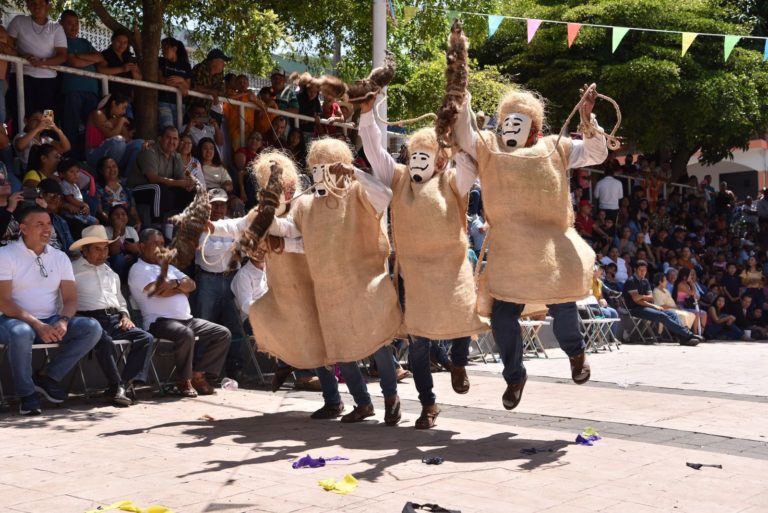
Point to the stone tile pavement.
(657, 408)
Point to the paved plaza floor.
(656, 408)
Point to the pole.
(379, 49)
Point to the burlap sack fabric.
(534, 253)
(347, 252)
(429, 228)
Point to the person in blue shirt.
(79, 95)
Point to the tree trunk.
(145, 101)
(679, 163)
(336, 53)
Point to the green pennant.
(618, 35)
(728, 45)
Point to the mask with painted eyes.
(515, 130)
(421, 166)
(318, 173)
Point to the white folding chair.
(530, 334)
(484, 343)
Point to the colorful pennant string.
(618, 35)
(493, 24)
(573, 31)
(688, 38)
(533, 26)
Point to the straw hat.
(91, 235)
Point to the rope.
(613, 141)
(401, 123)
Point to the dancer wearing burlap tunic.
(534, 254)
(347, 251)
(428, 215)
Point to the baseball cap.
(50, 186)
(215, 195)
(217, 54)
(585, 202)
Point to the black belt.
(199, 269)
(99, 313)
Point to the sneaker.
(328, 411)
(29, 406)
(50, 389)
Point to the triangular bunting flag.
(409, 12)
(533, 26)
(688, 38)
(573, 31)
(728, 45)
(618, 35)
(493, 24)
(452, 15)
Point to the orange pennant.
(573, 31)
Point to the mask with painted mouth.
(421, 166)
(318, 174)
(515, 130)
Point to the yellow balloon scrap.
(130, 506)
(345, 485)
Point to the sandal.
(185, 389)
(428, 416)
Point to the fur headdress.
(330, 86)
(523, 102)
(379, 78)
(328, 150)
(262, 169)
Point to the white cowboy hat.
(91, 235)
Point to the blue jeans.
(505, 324)
(82, 335)
(77, 106)
(459, 351)
(139, 355)
(167, 115)
(215, 302)
(418, 359)
(355, 381)
(723, 331)
(666, 317)
(124, 153)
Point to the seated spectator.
(722, 325)
(686, 294)
(108, 134)
(166, 314)
(585, 225)
(99, 297)
(175, 71)
(753, 280)
(598, 303)
(43, 163)
(110, 192)
(274, 136)
(263, 118)
(208, 78)
(671, 275)
(216, 176)
(68, 171)
(297, 148)
(158, 179)
(9, 205)
(52, 196)
(242, 160)
(191, 165)
(624, 243)
(124, 242)
(621, 265)
(39, 130)
(745, 320)
(639, 299)
(120, 62)
(333, 113)
(610, 276)
(202, 126)
(731, 288)
(38, 299)
(662, 298)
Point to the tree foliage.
(671, 105)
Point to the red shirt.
(584, 224)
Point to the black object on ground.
(411, 507)
(697, 466)
(435, 460)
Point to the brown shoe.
(428, 416)
(328, 411)
(401, 374)
(359, 414)
(459, 379)
(201, 385)
(281, 374)
(513, 394)
(309, 383)
(392, 410)
(580, 371)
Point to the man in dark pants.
(166, 314)
(638, 295)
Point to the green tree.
(671, 105)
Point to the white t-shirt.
(38, 41)
(70, 189)
(609, 191)
(248, 285)
(31, 290)
(129, 233)
(621, 268)
(173, 307)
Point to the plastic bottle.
(229, 384)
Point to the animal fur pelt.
(379, 78)
(190, 225)
(252, 242)
(330, 86)
(456, 80)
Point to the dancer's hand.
(341, 169)
(589, 100)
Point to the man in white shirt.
(213, 299)
(43, 43)
(609, 191)
(166, 314)
(248, 285)
(99, 297)
(38, 299)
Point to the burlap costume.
(534, 253)
(347, 251)
(285, 321)
(429, 229)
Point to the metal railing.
(637, 180)
(106, 79)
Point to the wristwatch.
(65, 319)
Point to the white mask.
(515, 130)
(283, 206)
(421, 166)
(318, 174)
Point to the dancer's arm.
(589, 152)
(382, 163)
(378, 194)
(466, 173)
(466, 136)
